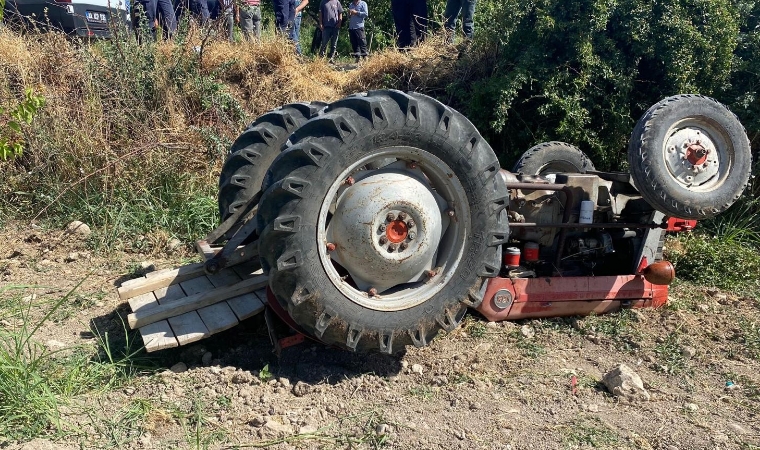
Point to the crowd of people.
(410, 18)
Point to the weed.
(670, 353)
(477, 329)
(200, 433)
(123, 427)
(591, 433)
(424, 392)
(750, 337)
(264, 374)
(530, 348)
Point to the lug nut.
(411, 235)
(410, 223)
(411, 164)
(383, 240)
(382, 227)
(430, 273)
(392, 248)
(372, 292)
(451, 213)
(350, 181)
(403, 246)
(402, 216)
(390, 217)
(330, 247)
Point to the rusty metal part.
(330, 247)
(661, 273)
(372, 292)
(397, 231)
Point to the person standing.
(453, 7)
(149, 13)
(357, 12)
(284, 14)
(295, 31)
(330, 18)
(249, 17)
(410, 18)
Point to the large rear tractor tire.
(690, 157)
(380, 222)
(553, 157)
(254, 150)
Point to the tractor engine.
(573, 224)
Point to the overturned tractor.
(379, 219)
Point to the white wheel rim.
(697, 154)
(408, 184)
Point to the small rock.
(71, 257)
(459, 434)
(404, 365)
(29, 298)
(527, 331)
(173, 245)
(595, 339)
(474, 406)
(713, 291)
(492, 325)
(416, 368)
(592, 408)
(736, 428)
(206, 359)
(79, 228)
(284, 382)
(129, 391)
(99, 304)
(704, 308)
(257, 421)
(688, 351)
(624, 383)
(53, 344)
(441, 380)
(147, 266)
(242, 378)
(382, 429)
(179, 367)
(278, 427)
(692, 407)
(722, 299)
(300, 389)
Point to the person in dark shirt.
(330, 18)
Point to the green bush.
(713, 261)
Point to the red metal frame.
(570, 296)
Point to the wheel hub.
(692, 158)
(386, 228)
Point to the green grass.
(35, 382)
(669, 353)
(590, 433)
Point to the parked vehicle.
(83, 18)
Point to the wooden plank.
(155, 313)
(142, 301)
(188, 269)
(261, 294)
(205, 250)
(133, 282)
(188, 327)
(196, 285)
(245, 306)
(166, 278)
(169, 293)
(225, 277)
(248, 269)
(218, 317)
(158, 336)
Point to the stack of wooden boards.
(175, 307)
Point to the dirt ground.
(483, 386)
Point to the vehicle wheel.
(553, 157)
(690, 157)
(254, 150)
(380, 221)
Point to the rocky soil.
(536, 384)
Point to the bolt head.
(403, 246)
(330, 247)
(383, 240)
(402, 216)
(350, 181)
(451, 213)
(382, 227)
(411, 165)
(392, 248)
(410, 223)
(390, 217)
(430, 273)
(372, 292)
(411, 236)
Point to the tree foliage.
(583, 71)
